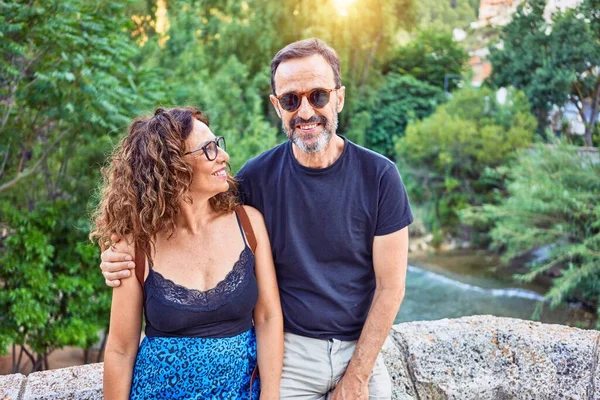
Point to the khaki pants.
(313, 367)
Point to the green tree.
(400, 99)
(552, 203)
(232, 96)
(51, 293)
(431, 57)
(67, 76)
(70, 85)
(552, 62)
(363, 34)
(237, 112)
(446, 158)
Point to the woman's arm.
(124, 334)
(268, 319)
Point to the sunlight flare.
(342, 6)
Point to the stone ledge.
(82, 383)
(11, 385)
(479, 357)
(485, 357)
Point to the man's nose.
(306, 111)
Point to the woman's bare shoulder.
(252, 212)
(256, 217)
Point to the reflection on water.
(433, 293)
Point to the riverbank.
(482, 271)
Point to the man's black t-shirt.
(321, 224)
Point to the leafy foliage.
(230, 95)
(552, 62)
(446, 158)
(254, 30)
(431, 58)
(552, 203)
(411, 89)
(50, 297)
(70, 85)
(401, 99)
(68, 77)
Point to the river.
(451, 285)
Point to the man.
(337, 216)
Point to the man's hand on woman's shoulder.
(117, 262)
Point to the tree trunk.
(14, 358)
(590, 122)
(38, 364)
(542, 120)
(23, 350)
(588, 135)
(589, 128)
(102, 346)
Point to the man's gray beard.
(321, 142)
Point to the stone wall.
(480, 357)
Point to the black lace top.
(173, 310)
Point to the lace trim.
(180, 297)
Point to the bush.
(552, 203)
(401, 99)
(447, 159)
(433, 57)
(52, 292)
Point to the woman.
(210, 302)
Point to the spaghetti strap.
(241, 228)
(243, 219)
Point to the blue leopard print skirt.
(196, 368)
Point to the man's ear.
(341, 95)
(275, 103)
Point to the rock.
(485, 357)
(402, 386)
(448, 245)
(81, 383)
(10, 386)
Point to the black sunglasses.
(317, 98)
(210, 148)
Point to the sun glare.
(342, 6)
(162, 20)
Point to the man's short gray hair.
(307, 48)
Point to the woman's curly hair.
(147, 180)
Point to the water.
(456, 290)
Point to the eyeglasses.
(211, 148)
(317, 98)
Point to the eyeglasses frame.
(306, 94)
(205, 145)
